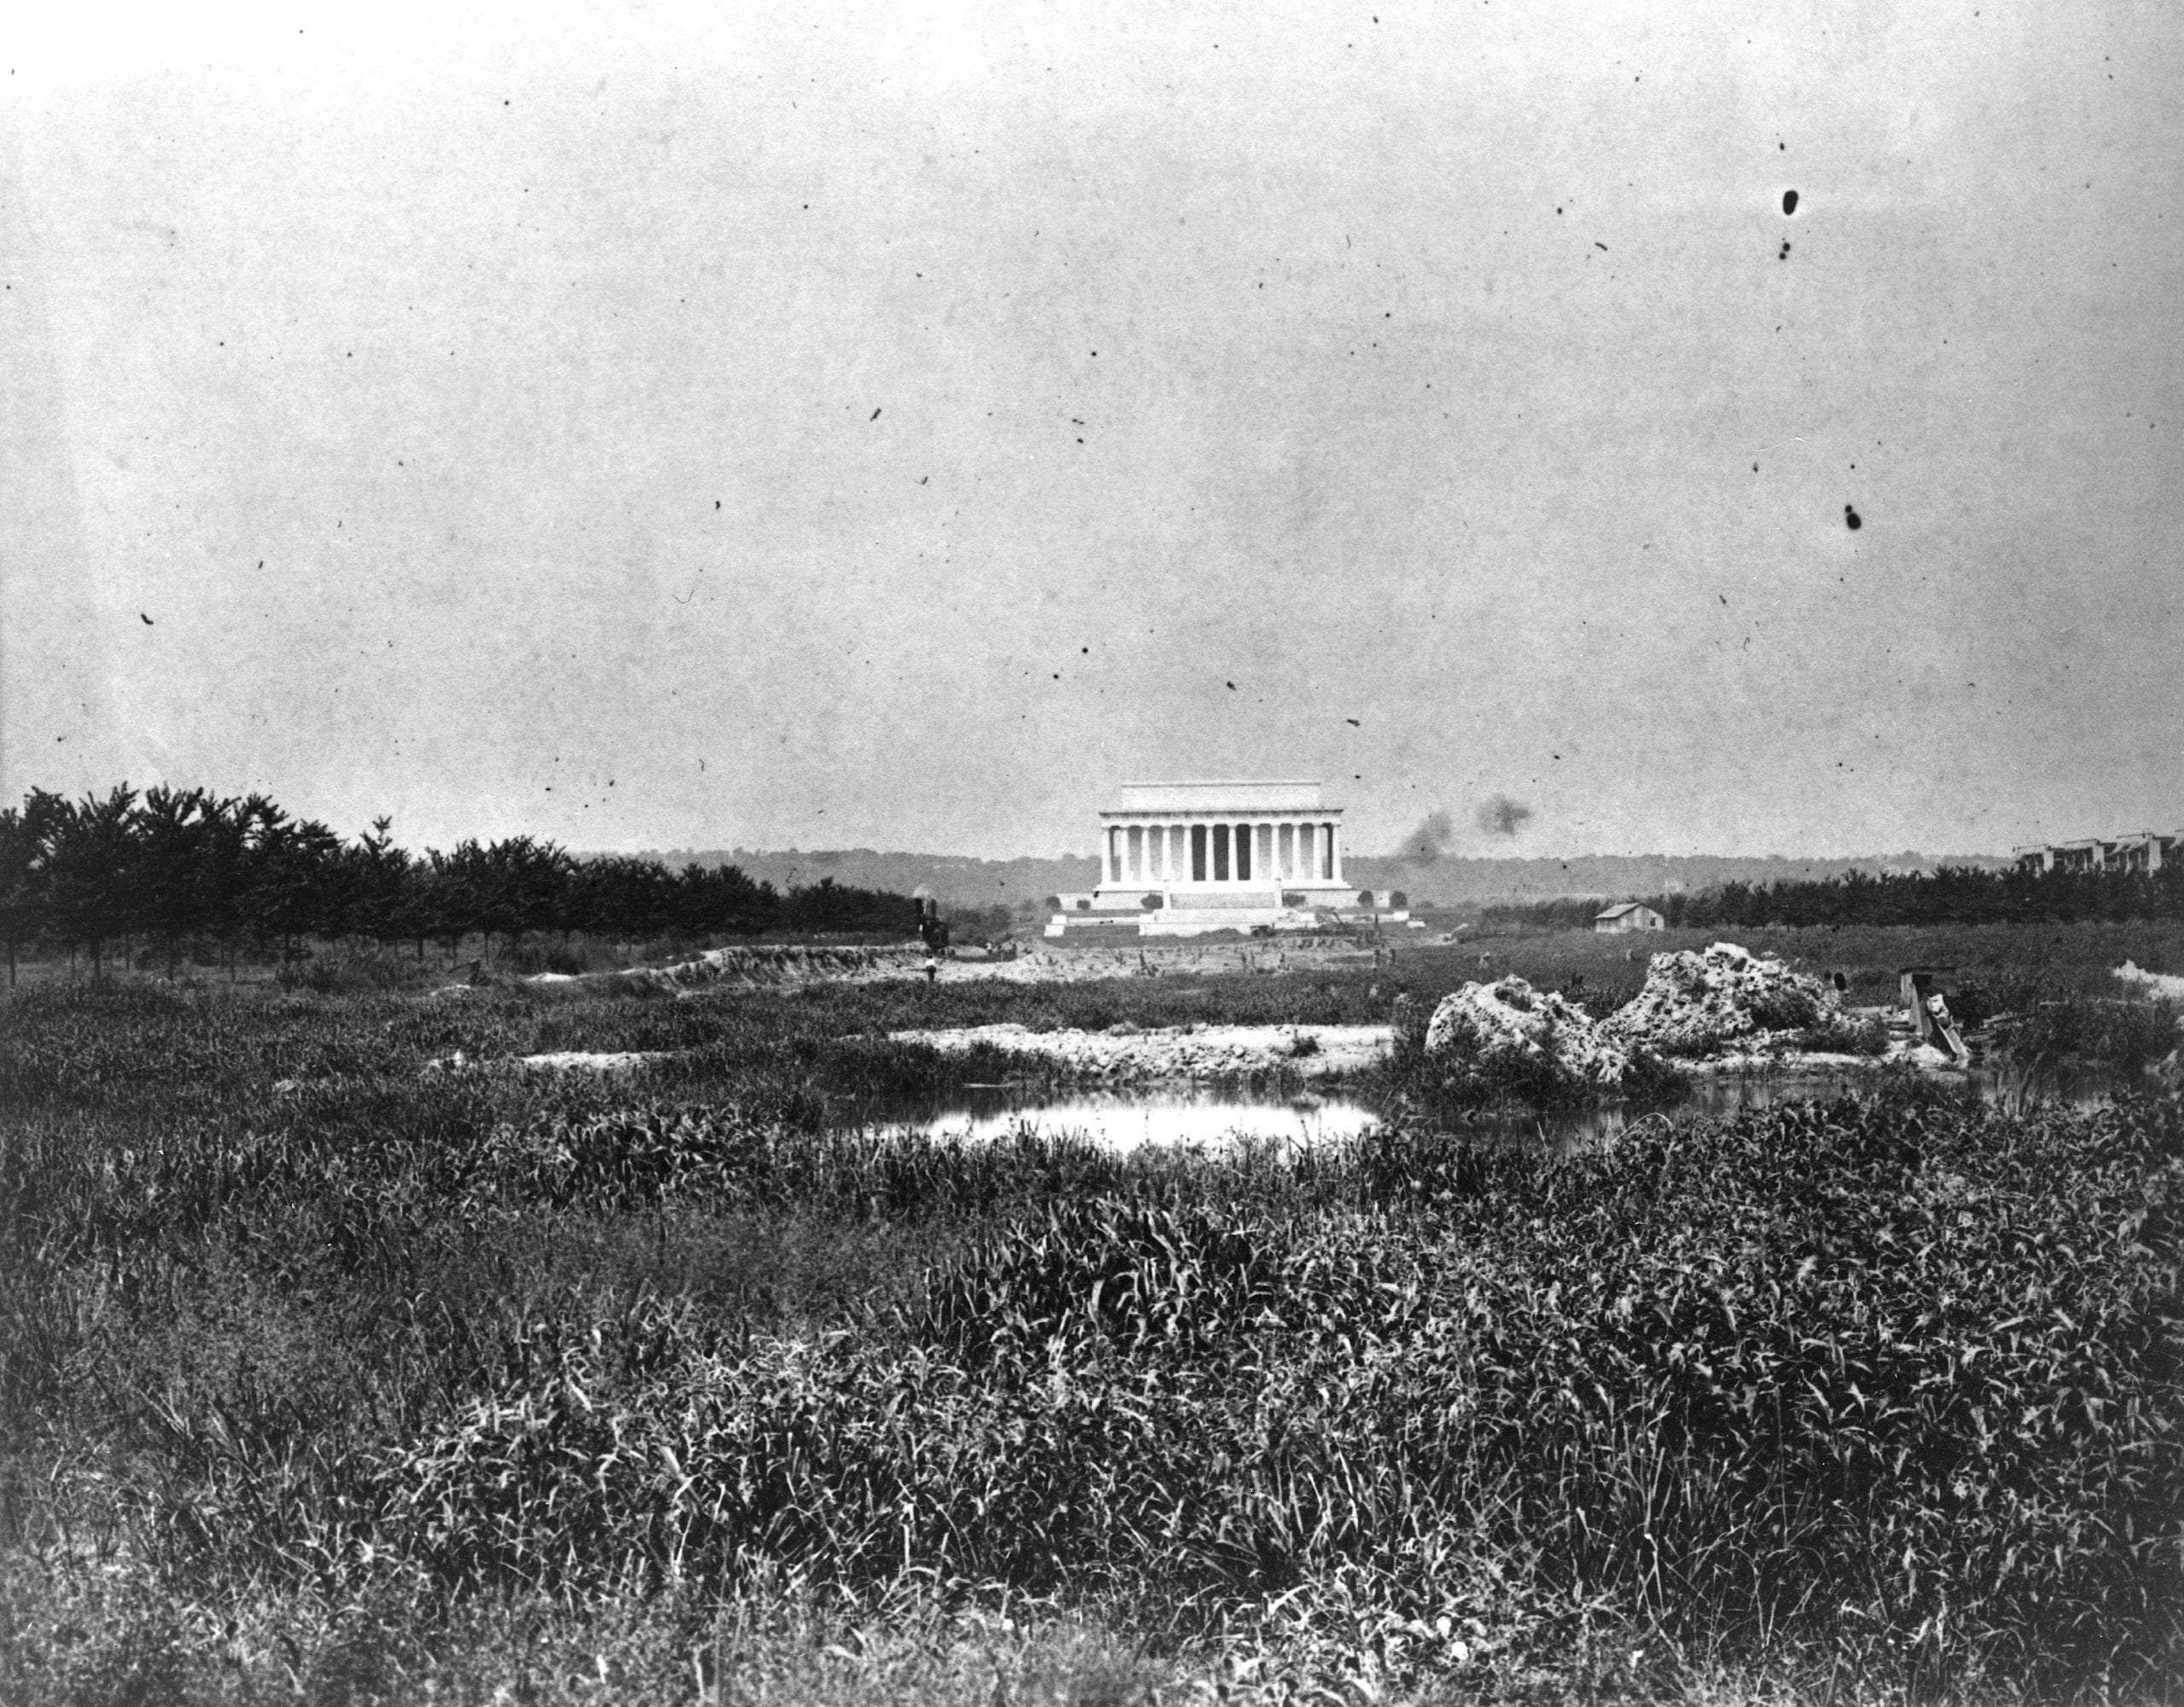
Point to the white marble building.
(1182, 857)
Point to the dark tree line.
(1955, 895)
(184, 868)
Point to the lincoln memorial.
(1185, 856)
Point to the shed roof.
(1621, 908)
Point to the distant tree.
(625, 898)
(24, 835)
(521, 885)
(186, 864)
(223, 871)
(173, 844)
(451, 900)
(1563, 913)
(827, 906)
(89, 871)
(291, 875)
(723, 898)
(377, 878)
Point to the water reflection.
(1125, 1120)
(1120, 1120)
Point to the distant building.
(2147, 850)
(1631, 915)
(1181, 858)
(2089, 854)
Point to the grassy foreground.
(328, 1373)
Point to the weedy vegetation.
(332, 1370)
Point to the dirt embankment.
(789, 966)
(1197, 1052)
(760, 966)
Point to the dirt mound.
(1509, 1030)
(1701, 1004)
(761, 966)
(2163, 986)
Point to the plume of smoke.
(1430, 840)
(1503, 817)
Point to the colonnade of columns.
(1223, 851)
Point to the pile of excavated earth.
(1484, 1027)
(1725, 999)
(2160, 986)
(1725, 1006)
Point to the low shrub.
(2126, 1036)
(353, 969)
(529, 955)
(1836, 1032)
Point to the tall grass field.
(332, 1368)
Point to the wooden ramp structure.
(1931, 1019)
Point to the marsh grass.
(488, 1379)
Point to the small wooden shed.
(1631, 915)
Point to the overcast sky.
(651, 426)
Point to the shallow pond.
(1125, 1120)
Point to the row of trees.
(1955, 895)
(185, 868)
